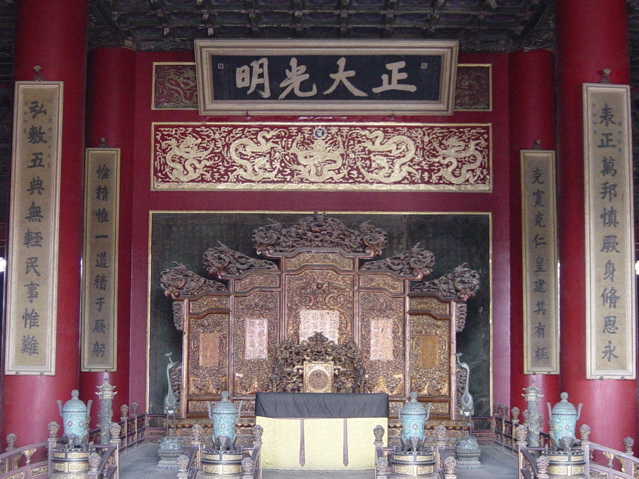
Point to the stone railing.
(445, 462)
(190, 461)
(504, 424)
(599, 462)
(25, 461)
(37, 459)
(34, 460)
(133, 428)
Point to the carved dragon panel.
(255, 315)
(208, 363)
(319, 290)
(384, 375)
(321, 284)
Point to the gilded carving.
(205, 303)
(381, 340)
(319, 321)
(179, 282)
(354, 318)
(256, 345)
(431, 305)
(334, 156)
(461, 310)
(413, 264)
(326, 259)
(178, 315)
(209, 346)
(252, 374)
(288, 369)
(207, 376)
(222, 262)
(431, 379)
(243, 285)
(461, 284)
(319, 231)
(320, 290)
(175, 86)
(473, 87)
(384, 375)
(382, 281)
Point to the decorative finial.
(537, 145)
(38, 76)
(605, 78)
(103, 143)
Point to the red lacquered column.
(53, 35)
(532, 118)
(591, 36)
(110, 116)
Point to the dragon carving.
(461, 284)
(180, 282)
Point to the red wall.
(496, 203)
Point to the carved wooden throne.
(318, 365)
(253, 328)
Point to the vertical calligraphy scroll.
(32, 278)
(540, 270)
(322, 321)
(610, 258)
(100, 259)
(256, 346)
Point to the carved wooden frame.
(205, 51)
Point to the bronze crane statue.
(170, 401)
(466, 406)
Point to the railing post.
(114, 431)
(515, 415)
(381, 463)
(52, 440)
(124, 417)
(629, 468)
(183, 467)
(134, 413)
(542, 464)
(584, 433)
(94, 464)
(521, 434)
(381, 467)
(198, 431)
(248, 467)
(440, 445)
(450, 465)
(11, 444)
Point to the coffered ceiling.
(161, 25)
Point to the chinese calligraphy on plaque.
(321, 76)
(539, 255)
(100, 259)
(32, 277)
(256, 339)
(314, 321)
(610, 274)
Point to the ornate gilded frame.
(32, 279)
(206, 50)
(100, 259)
(540, 266)
(610, 292)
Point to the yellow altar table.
(319, 431)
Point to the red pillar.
(591, 36)
(110, 116)
(532, 114)
(53, 35)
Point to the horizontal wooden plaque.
(240, 77)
